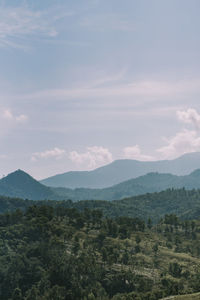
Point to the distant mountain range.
(20, 184)
(150, 183)
(122, 170)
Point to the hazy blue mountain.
(122, 170)
(20, 184)
(149, 183)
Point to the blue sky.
(83, 83)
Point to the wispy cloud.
(145, 88)
(56, 153)
(9, 121)
(17, 24)
(9, 116)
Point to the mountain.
(20, 184)
(122, 170)
(183, 203)
(149, 183)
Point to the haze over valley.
(22, 185)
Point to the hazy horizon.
(85, 83)
(26, 171)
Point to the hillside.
(20, 184)
(51, 253)
(152, 182)
(122, 170)
(185, 204)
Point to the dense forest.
(63, 253)
(185, 204)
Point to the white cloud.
(189, 116)
(183, 142)
(17, 23)
(9, 116)
(56, 153)
(21, 118)
(93, 157)
(134, 152)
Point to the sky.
(83, 83)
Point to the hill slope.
(185, 204)
(152, 182)
(122, 170)
(20, 184)
(50, 253)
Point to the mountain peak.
(21, 184)
(18, 174)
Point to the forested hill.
(149, 183)
(65, 254)
(183, 203)
(20, 184)
(122, 170)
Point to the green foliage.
(150, 208)
(52, 253)
(175, 269)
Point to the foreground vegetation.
(62, 253)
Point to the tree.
(138, 239)
(155, 248)
(17, 294)
(149, 223)
(175, 269)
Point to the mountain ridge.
(22, 185)
(122, 170)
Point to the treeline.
(63, 253)
(185, 204)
